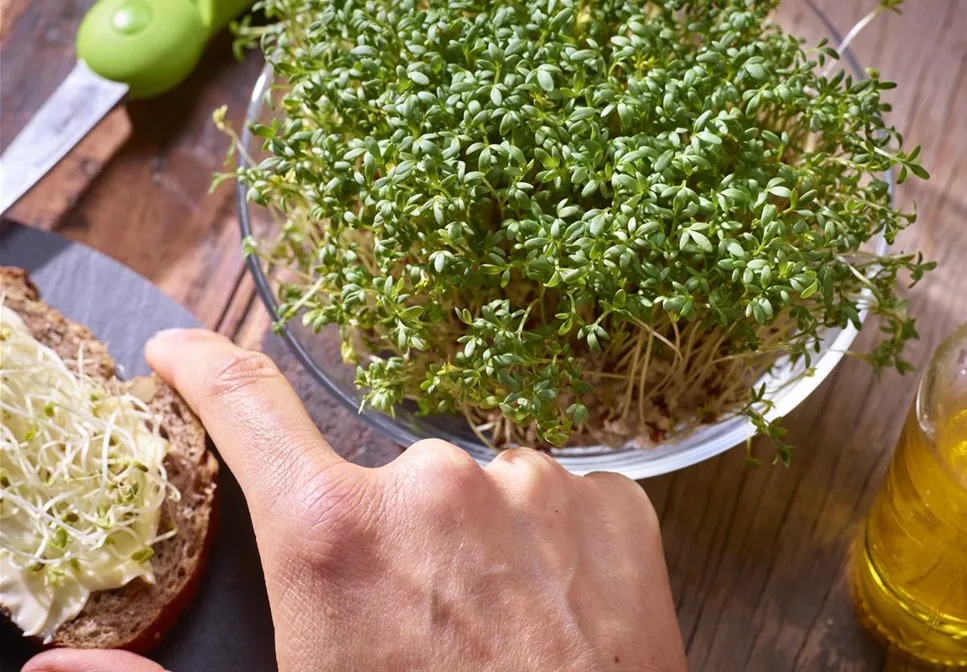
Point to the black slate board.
(228, 626)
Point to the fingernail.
(178, 336)
(161, 348)
(176, 333)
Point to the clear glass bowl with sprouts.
(786, 385)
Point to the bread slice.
(136, 616)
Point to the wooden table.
(756, 555)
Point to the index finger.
(253, 415)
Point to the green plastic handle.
(150, 45)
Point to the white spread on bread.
(82, 483)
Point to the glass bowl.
(787, 386)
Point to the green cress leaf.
(554, 217)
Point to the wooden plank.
(57, 192)
(36, 57)
(770, 592)
(245, 320)
(10, 11)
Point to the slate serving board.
(228, 626)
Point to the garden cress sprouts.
(575, 220)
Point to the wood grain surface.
(756, 555)
(10, 11)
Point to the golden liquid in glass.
(909, 567)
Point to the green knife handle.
(150, 45)
(216, 14)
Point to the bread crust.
(138, 615)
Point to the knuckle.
(527, 458)
(435, 479)
(529, 474)
(238, 370)
(619, 488)
(616, 483)
(442, 462)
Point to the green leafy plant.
(573, 220)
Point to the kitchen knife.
(138, 48)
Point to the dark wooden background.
(756, 555)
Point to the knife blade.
(79, 102)
(138, 48)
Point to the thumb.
(90, 660)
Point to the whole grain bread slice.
(136, 616)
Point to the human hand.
(430, 562)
